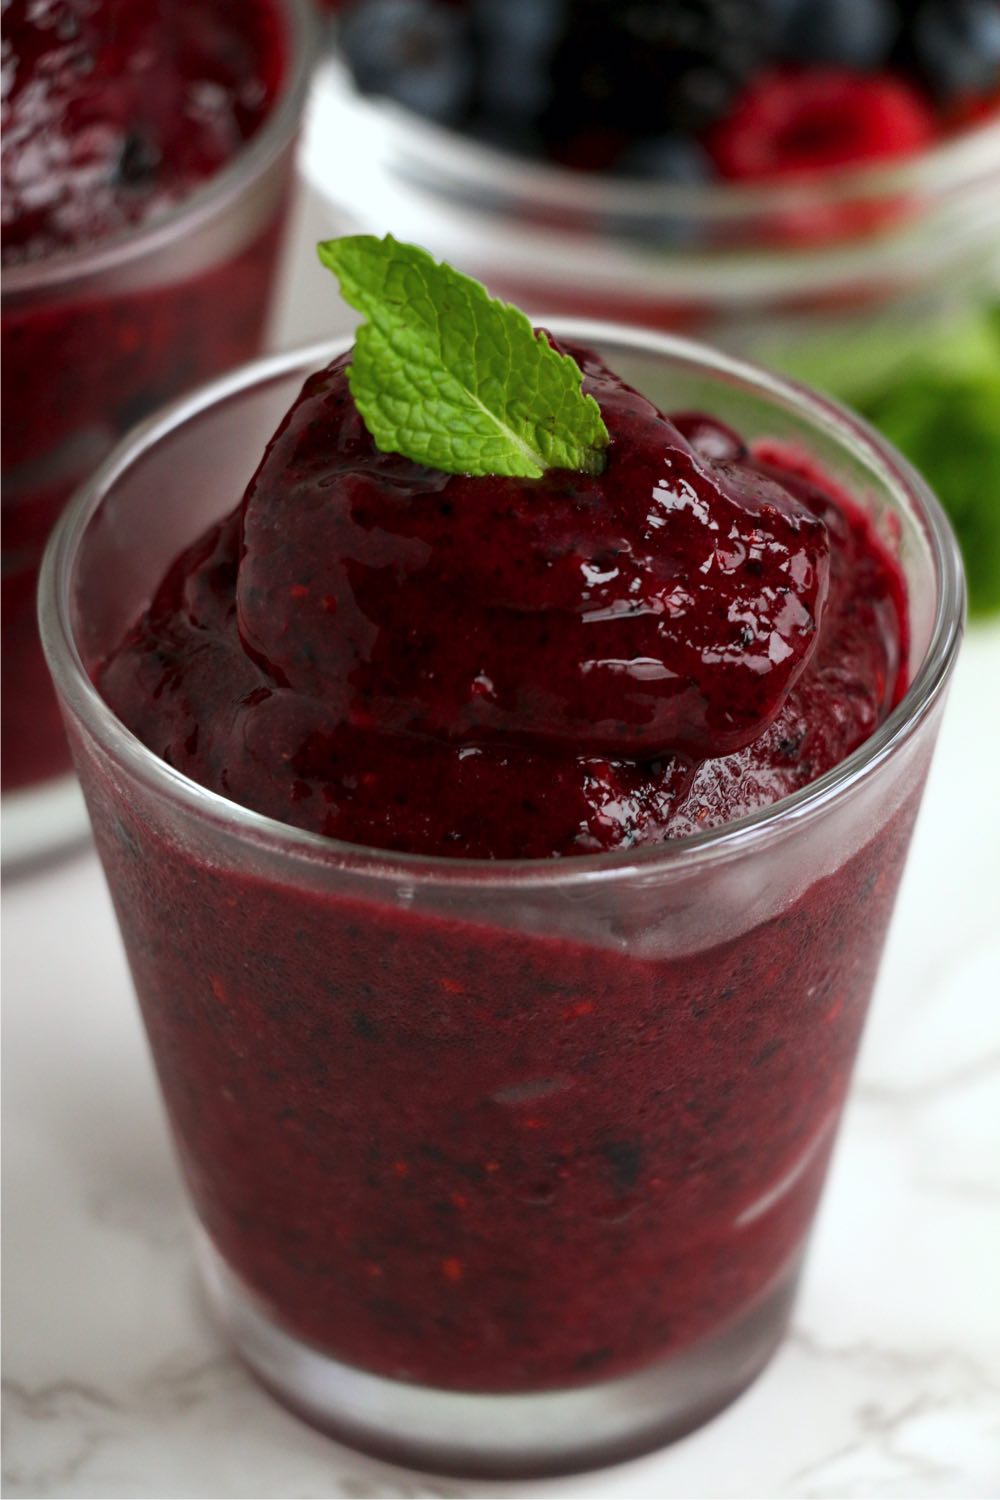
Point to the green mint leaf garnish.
(450, 377)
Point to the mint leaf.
(453, 378)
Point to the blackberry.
(514, 41)
(667, 158)
(650, 67)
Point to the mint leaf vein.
(453, 378)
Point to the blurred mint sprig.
(936, 396)
(943, 412)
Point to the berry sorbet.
(499, 668)
(427, 1149)
(124, 281)
(503, 863)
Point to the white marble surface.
(117, 1385)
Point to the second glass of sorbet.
(500, 1166)
(113, 304)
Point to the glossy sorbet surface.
(114, 110)
(495, 668)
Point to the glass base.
(42, 821)
(501, 1436)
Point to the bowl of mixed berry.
(815, 183)
(686, 91)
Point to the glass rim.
(969, 155)
(731, 839)
(208, 201)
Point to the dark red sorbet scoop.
(498, 668)
(664, 607)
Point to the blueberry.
(956, 46)
(414, 51)
(515, 40)
(665, 158)
(844, 33)
(528, 28)
(773, 17)
(138, 161)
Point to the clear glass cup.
(500, 1167)
(94, 340)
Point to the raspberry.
(798, 122)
